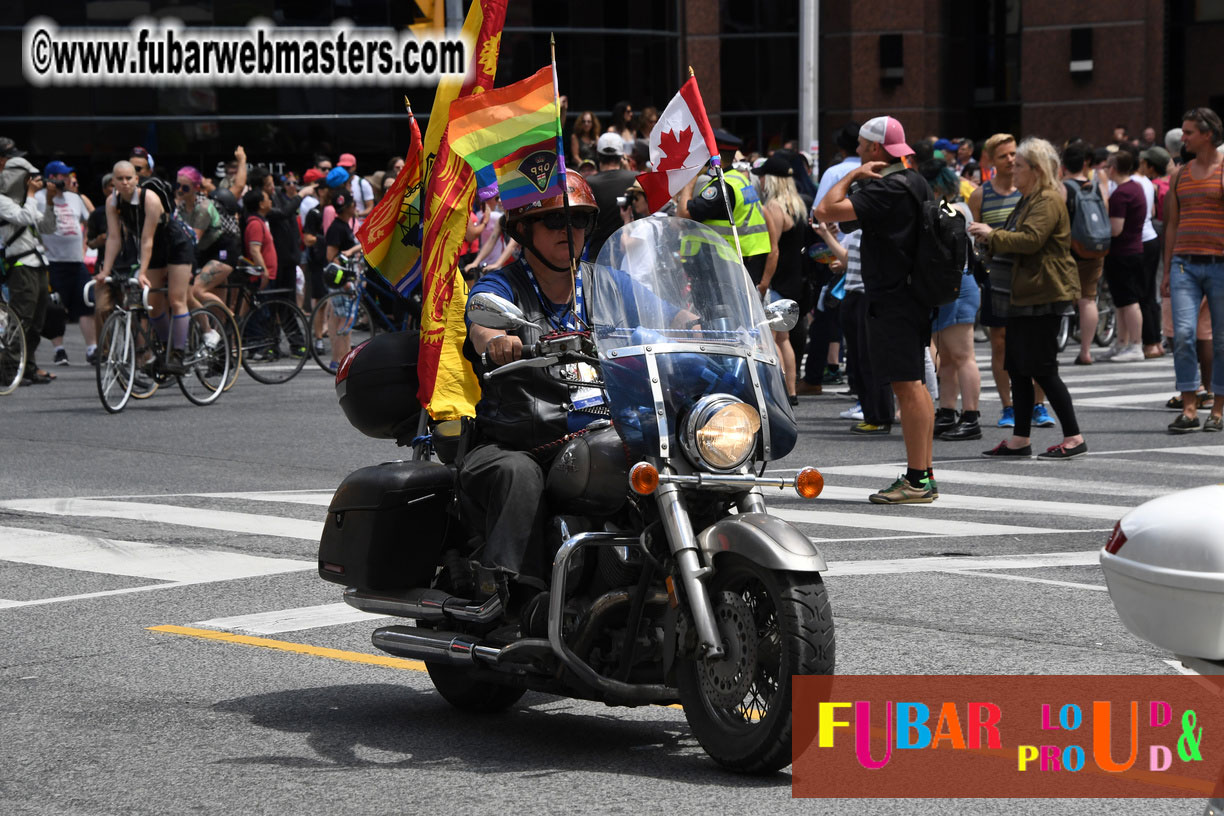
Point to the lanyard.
(568, 322)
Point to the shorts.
(68, 279)
(1090, 270)
(1032, 345)
(962, 310)
(1124, 274)
(898, 334)
(314, 281)
(224, 249)
(345, 308)
(988, 316)
(173, 245)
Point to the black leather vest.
(529, 408)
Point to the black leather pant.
(502, 499)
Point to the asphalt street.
(169, 648)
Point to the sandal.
(38, 377)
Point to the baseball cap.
(886, 131)
(1157, 157)
(586, 163)
(610, 144)
(775, 165)
(341, 200)
(639, 151)
(57, 168)
(337, 177)
(312, 175)
(347, 160)
(947, 145)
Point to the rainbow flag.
(391, 235)
(449, 389)
(509, 137)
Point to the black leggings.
(1056, 392)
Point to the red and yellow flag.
(391, 236)
(449, 388)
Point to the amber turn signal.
(644, 478)
(809, 482)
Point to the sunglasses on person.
(184, 188)
(557, 220)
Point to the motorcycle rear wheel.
(775, 624)
(460, 689)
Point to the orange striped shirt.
(1200, 219)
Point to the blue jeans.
(1189, 284)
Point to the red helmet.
(581, 199)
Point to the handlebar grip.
(529, 353)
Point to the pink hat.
(349, 160)
(887, 131)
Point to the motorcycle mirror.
(494, 312)
(783, 315)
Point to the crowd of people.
(177, 230)
(1047, 224)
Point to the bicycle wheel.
(233, 339)
(12, 350)
(207, 358)
(116, 369)
(274, 342)
(341, 313)
(144, 383)
(1107, 317)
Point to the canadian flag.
(681, 143)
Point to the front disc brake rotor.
(725, 682)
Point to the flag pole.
(716, 163)
(565, 204)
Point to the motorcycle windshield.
(675, 318)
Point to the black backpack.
(164, 191)
(940, 258)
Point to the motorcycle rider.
(521, 414)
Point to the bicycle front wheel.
(339, 314)
(233, 339)
(207, 358)
(116, 369)
(274, 339)
(146, 382)
(12, 350)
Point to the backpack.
(1090, 232)
(939, 260)
(164, 191)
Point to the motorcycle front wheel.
(773, 625)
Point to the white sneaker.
(1129, 354)
(853, 413)
(212, 338)
(1109, 353)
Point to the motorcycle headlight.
(721, 432)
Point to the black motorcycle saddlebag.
(387, 526)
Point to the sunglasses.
(557, 220)
(184, 188)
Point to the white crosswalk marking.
(290, 620)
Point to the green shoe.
(902, 492)
(867, 429)
(933, 486)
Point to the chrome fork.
(683, 543)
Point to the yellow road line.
(298, 648)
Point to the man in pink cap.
(363, 193)
(884, 196)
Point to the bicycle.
(358, 311)
(1107, 321)
(128, 345)
(270, 331)
(12, 350)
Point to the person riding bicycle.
(341, 241)
(143, 236)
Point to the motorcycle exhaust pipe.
(431, 605)
(432, 646)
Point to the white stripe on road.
(1029, 580)
(881, 520)
(170, 514)
(291, 620)
(1147, 402)
(1107, 512)
(990, 479)
(902, 566)
(318, 498)
(1079, 376)
(136, 559)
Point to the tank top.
(788, 276)
(1200, 221)
(995, 207)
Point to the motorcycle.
(670, 580)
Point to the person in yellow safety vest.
(708, 205)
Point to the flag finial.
(407, 104)
(691, 71)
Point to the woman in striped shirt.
(1194, 258)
